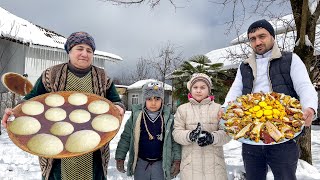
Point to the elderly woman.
(77, 75)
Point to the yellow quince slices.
(269, 117)
(259, 114)
(262, 104)
(267, 112)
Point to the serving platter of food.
(263, 118)
(64, 124)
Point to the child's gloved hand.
(205, 139)
(120, 165)
(194, 134)
(175, 168)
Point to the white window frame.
(135, 99)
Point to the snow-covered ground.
(16, 164)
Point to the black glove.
(205, 139)
(194, 134)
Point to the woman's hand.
(7, 113)
(120, 110)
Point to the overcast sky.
(134, 31)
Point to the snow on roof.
(231, 56)
(15, 28)
(121, 86)
(224, 55)
(280, 25)
(139, 84)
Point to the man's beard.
(264, 50)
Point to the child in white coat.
(196, 128)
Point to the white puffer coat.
(200, 163)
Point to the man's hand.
(194, 134)
(308, 116)
(7, 113)
(220, 113)
(175, 168)
(120, 165)
(120, 110)
(205, 139)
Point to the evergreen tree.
(201, 64)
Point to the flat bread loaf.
(55, 114)
(61, 128)
(45, 144)
(32, 108)
(79, 116)
(98, 107)
(105, 123)
(77, 99)
(82, 141)
(25, 125)
(54, 100)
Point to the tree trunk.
(305, 146)
(305, 26)
(304, 141)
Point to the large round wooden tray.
(22, 140)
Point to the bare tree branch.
(166, 60)
(152, 3)
(142, 70)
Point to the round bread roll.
(54, 100)
(79, 116)
(45, 144)
(61, 128)
(55, 114)
(25, 125)
(105, 123)
(32, 108)
(77, 99)
(82, 141)
(98, 107)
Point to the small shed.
(135, 93)
(122, 91)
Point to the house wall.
(167, 97)
(11, 58)
(132, 92)
(122, 91)
(32, 60)
(39, 58)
